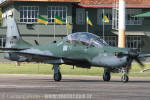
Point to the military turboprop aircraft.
(82, 49)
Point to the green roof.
(147, 14)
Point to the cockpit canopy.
(86, 38)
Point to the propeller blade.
(139, 62)
(129, 65)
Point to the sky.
(2, 0)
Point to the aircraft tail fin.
(12, 34)
(13, 37)
(14, 40)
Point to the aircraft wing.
(50, 59)
(37, 57)
(144, 55)
(12, 49)
(34, 55)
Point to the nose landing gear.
(124, 77)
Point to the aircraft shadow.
(134, 81)
(81, 80)
(65, 80)
(101, 81)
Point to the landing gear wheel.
(124, 78)
(106, 76)
(57, 76)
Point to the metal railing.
(115, 15)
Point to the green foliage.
(65, 69)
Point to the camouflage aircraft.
(81, 49)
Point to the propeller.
(139, 62)
(132, 55)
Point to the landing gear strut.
(124, 77)
(106, 75)
(57, 73)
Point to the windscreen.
(87, 38)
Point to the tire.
(124, 78)
(106, 76)
(57, 76)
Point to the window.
(29, 13)
(80, 16)
(2, 42)
(134, 42)
(72, 38)
(85, 40)
(96, 43)
(130, 20)
(107, 12)
(111, 40)
(58, 10)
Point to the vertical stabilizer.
(12, 34)
(13, 40)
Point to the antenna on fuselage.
(36, 42)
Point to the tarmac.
(43, 87)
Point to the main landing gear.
(106, 75)
(57, 73)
